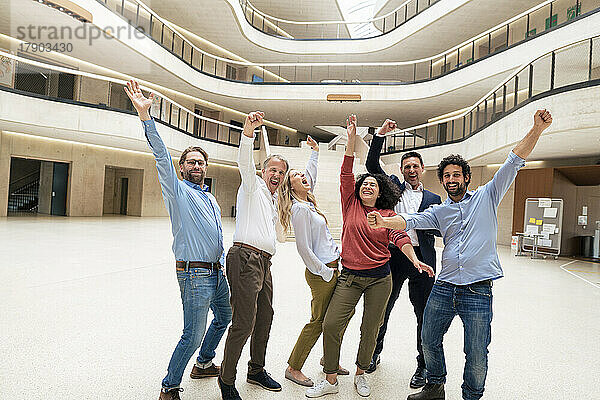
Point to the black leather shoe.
(431, 391)
(264, 380)
(228, 392)
(374, 363)
(418, 379)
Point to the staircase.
(25, 198)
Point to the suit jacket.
(426, 237)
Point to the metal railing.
(542, 18)
(25, 198)
(570, 67)
(76, 87)
(311, 30)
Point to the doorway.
(37, 186)
(123, 189)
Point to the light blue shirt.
(469, 228)
(195, 213)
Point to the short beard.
(460, 190)
(196, 179)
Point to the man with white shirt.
(248, 265)
(414, 199)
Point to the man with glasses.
(198, 248)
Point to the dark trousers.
(251, 286)
(419, 288)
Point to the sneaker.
(264, 380)
(228, 392)
(362, 386)
(322, 388)
(171, 394)
(210, 372)
(374, 363)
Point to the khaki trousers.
(321, 295)
(251, 287)
(348, 291)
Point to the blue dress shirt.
(195, 213)
(469, 228)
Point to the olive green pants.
(348, 291)
(321, 295)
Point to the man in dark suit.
(414, 199)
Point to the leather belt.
(333, 264)
(247, 246)
(183, 265)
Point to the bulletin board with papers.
(543, 222)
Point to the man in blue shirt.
(198, 248)
(468, 223)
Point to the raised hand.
(312, 143)
(421, 266)
(351, 122)
(388, 126)
(542, 119)
(139, 101)
(253, 121)
(375, 220)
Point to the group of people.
(387, 237)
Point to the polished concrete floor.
(91, 310)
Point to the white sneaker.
(322, 388)
(362, 386)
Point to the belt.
(254, 249)
(333, 264)
(183, 265)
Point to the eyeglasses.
(192, 163)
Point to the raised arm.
(507, 173)
(164, 164)
(372, 163)
(541, 120)
(313, 162)
(245, 156)
(346, 174)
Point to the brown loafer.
(306, 382)
(210, 372)
(340, 371)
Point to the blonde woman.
(298, 208)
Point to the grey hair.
(278, 157)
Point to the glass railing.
(80, 88)
(570, 67)
(328, 30)
(542, 18)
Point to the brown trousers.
(251, 286)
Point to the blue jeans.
(201, 289)
(473, 304)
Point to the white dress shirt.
(409, 204)
(256, 215)
(313, 239)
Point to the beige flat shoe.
(306, 382)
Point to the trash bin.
(586, 246)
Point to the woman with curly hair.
(298, 208)
(365, 268)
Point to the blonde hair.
(285, 200)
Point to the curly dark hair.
(389, 193)
(454, 159)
